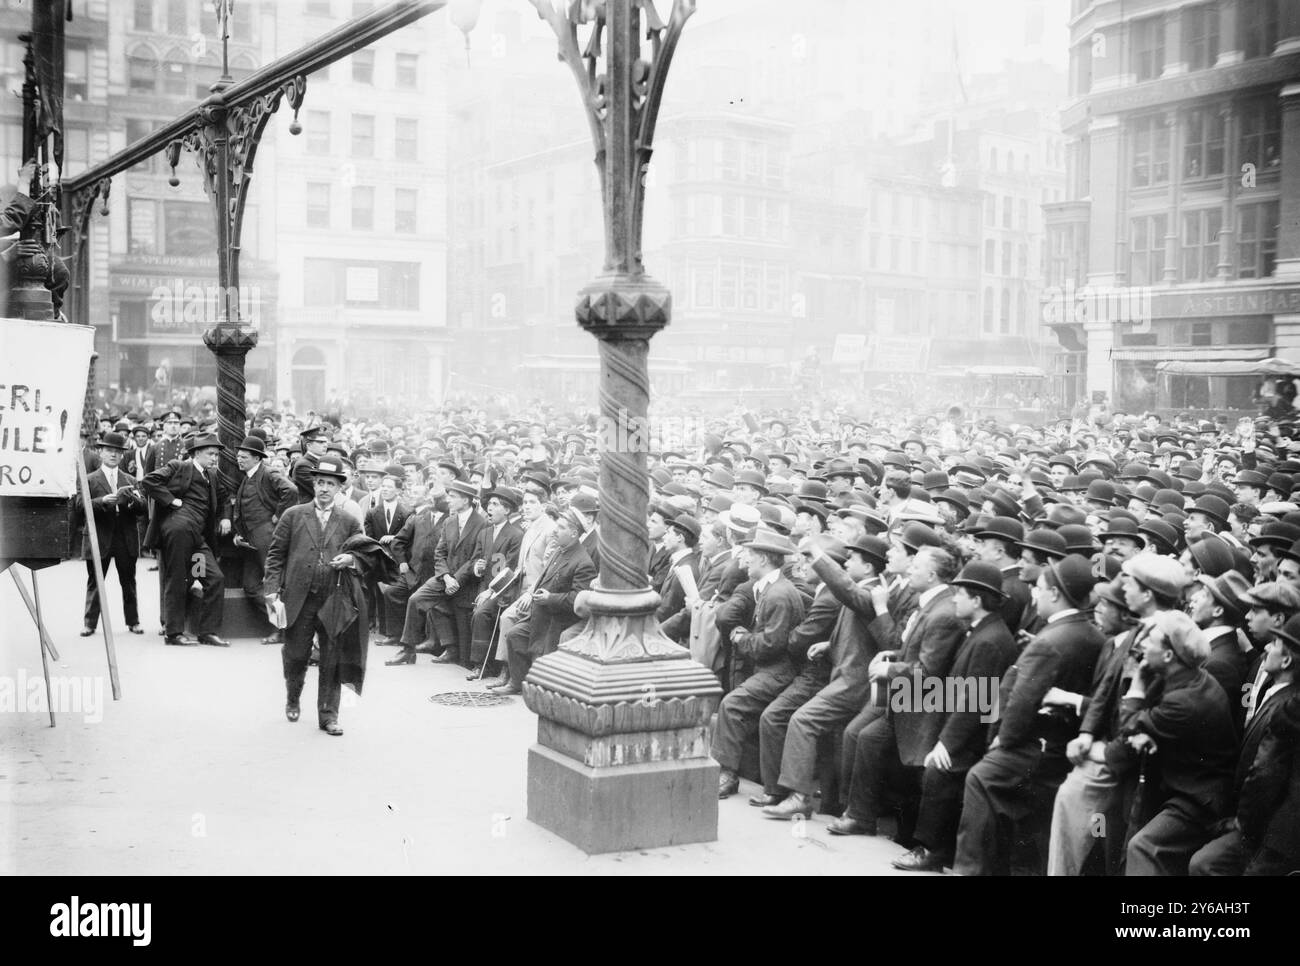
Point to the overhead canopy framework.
(1230, 367)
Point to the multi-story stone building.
(1183, 210)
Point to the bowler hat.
(686, 524)
(916, 535)
(1001, 528)
(506, 494)
(979, 575)
(1074, 576)
(1289, 633)
(584, 502)
(1213, 507)
(1211, 554)
(1078, 538)
(752, 478)
(254, 444)
(331, 468)
(114, 441)
(833, 548)
(1046, 542)
(1123, 526)
(874, 549)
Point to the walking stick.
(99, 580)
(496, 624)
(45, 658)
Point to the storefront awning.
(1164, 353)
(1234, 367)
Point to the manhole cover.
(469, 699)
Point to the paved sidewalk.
(196, 770)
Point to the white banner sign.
(43, 371)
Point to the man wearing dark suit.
(891, 750)
(259, 501)
(763, 644)
(306, 551)
(187, 507)
(414, 549)
(550, 608)
(982, 659)
(1175, 711)
(658, 565)
(383, 519)
(315, 443)
(496, 551)
(1016, 780)
(116, 504)
(1268, 812)
(452, 606)
(793, 724)
(680, 540)
(999, 544)
(1228, 853)
(437, 597)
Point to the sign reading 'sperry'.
(43, 370)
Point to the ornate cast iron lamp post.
(622, 754)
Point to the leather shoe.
(794, 805)
(920, 859)
(213, 641)
(331, 728)
(136, 629)
(763, 799)
(291, 711)
(507, 689)
(425, 647)
(390, 642)
(446, 657)
(728, 784)
(86, 630)
(276, 638)
(405, 656)
(180, 640)
(851, 826)
(473, 673)
(493, 682)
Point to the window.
(1201, 36)
(363, 136)
(1022, 214)
(76, 150)
(729, 286)
(406, 139)
(773, 288)
(178, 17)
(1260, 144)
(142, 18)
(751, 286)
(318, 204)
(1022, 260)
(774, 176)
(1201, 244)
(1150, 138)
(753, 162)
(76, 72)
(1006, 258)
(189, 229)
(1258, 22)
(405, 201)
(704, 284)
(1147, 254)
(1203, 151)
(988, 309)
(136, 130)
(317, 126)
(175, 79)
(318, 8)
(730, 160)
(406, 72)
(730, 215)
(384, 285)
(1006, 211)
(753, 210)
(141, 75)
(1202, 333)
(363, 67)
(363, 208)
(1004, 317)
(1257, 240)
(1148, 47)
(990, 255)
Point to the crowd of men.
(1060, 649)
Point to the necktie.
(911, 625)
(388, 511)
(1256, 692)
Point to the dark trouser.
(739, 714)
(517, 655)
(253, 574)
(1166, 844)
(1006, 789)
(774, 724)
(880, 779)
(1226, 855)
(393, 598)
(940, 810)
(186, 557)
(849, 748)
(483, 626)
(418, 606)
(296, 653)
(1269, 862)
(125, 565)
(451, 623)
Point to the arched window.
(989, 255)
(988, 309)
(308, 355)
(1005, 314)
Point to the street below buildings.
(196, 771)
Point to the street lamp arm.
(564, 23)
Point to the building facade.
(1179, 240)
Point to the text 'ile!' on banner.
(43, 371)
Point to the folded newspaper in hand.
(275, 613)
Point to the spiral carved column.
(230, 344)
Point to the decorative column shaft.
(622, 754)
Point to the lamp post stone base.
(623, 733)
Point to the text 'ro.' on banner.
(43, 371)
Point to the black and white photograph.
(652, 438)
